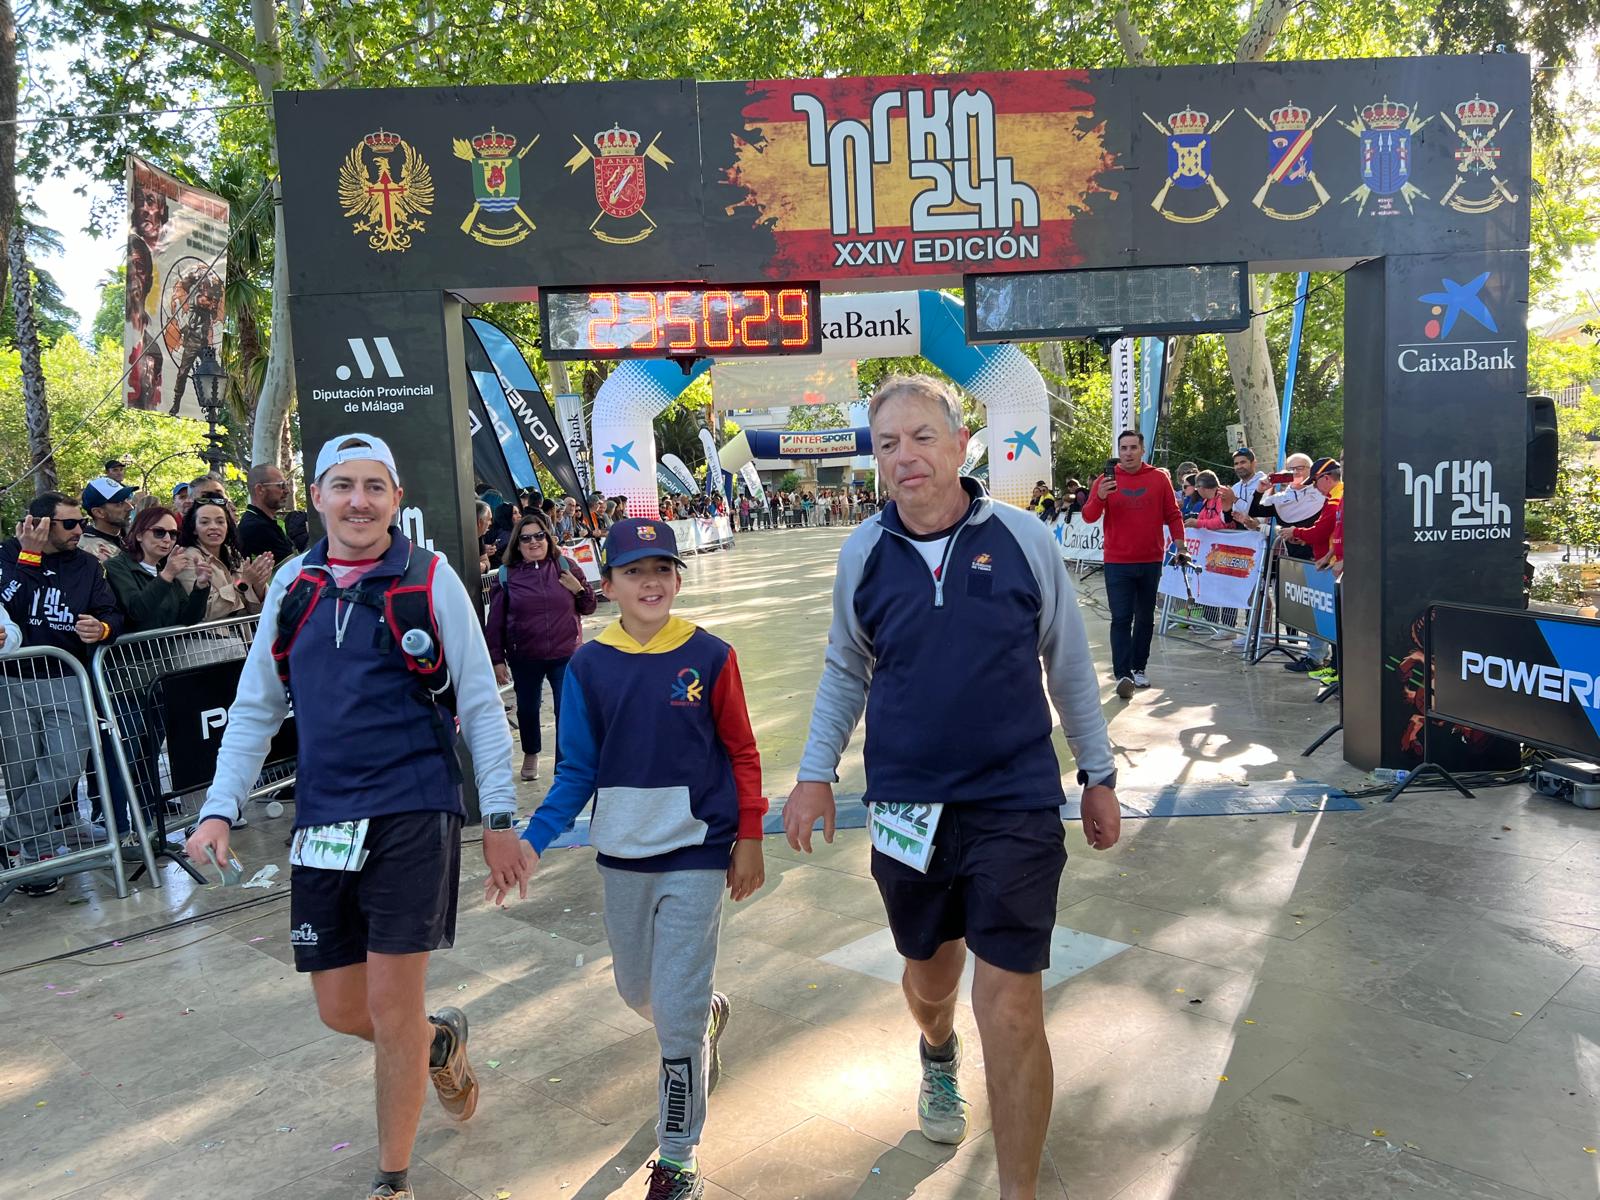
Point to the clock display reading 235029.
(682, 321)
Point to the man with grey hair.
(939, 598)
(259, 530)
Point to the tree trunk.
(8, 132)
(1253, 382)
(277, 386)
(1053, 364)
(33, 397)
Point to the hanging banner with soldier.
(177, 264)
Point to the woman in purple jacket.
(536, 603)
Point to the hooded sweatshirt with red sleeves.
(1139, 515)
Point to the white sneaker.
(1140, 679)
(941, 1108)
(1125, 687)
(1222, 635)
(1239, 643)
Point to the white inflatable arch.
(877, 325)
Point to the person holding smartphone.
(1141, 517)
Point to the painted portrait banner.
(176, 269)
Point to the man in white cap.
(377, 647)
(107, 504)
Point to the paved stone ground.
(1401, 1001)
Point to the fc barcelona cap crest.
(635, 538)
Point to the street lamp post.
(208, 377)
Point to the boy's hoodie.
(660, 737)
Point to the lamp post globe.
(208, 377)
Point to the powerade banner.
(1228, 565)
(1152, 361)
(484, 384)
(194, 706)
(488, 456)
(529, 409)
(1306, 598)
(831, 443)
(874, 180)
(1532, 677)
(177, 262)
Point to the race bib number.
(336, 847)
(904, 832)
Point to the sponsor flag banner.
(569, 411)
(485, 383)
(714, 482)
(977, 444)
(177, 267)
(752, 483)
(1306, 598)
(1228, 563)
(775, 382)
(1122, 399)
(669, 481)
(1152, 361)
(529, 408)
(488, 456)
(684, 476)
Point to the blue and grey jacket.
(948, 668)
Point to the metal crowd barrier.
(49, 732)
(129, 677)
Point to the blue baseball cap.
(635, 538)
(104, 490)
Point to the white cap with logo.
(348, 447)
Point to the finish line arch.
(876, 325)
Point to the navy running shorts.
(402, 901)
(993, 880)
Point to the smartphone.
(1111, 466)
(1281, 477)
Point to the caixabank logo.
(1461, 332)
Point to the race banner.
(669, 481)
(1152, 374)
(833, 443)
(684, 476)
(569, 412)
(1123, 413)
(176, 270)
(489, 465)
(976, 445)
(752, 483)
(1226, 566)
(1306, 598)
(714, 484)
(1080, 541)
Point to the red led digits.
(713, 305)
(684, 320)
(596, 339)
(799, 319)
(756, 340)
(650, 319)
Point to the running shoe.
(1141, 680)
(1303, 666)
(1125, 687)
(38, 888)
(1222, 635)
(941, 1108)
(721, 1009)
(453, 1078)
(384, 1192)
(668, 1182)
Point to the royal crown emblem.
(496, 187)
(1385, 128)
(1189, 135)
(619, 183)
(1289, 130)
(1477, 186)
(389, 205)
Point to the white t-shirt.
(932, 551)
(1244, 491)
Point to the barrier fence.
(50, 732)
(165, 696)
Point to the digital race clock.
(743, 320)
(1120, 302)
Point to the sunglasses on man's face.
(218, 501)
(69, 523)
(529, 538)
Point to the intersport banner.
(529, 408)
(1229, 565)
(172, 307)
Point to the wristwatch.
(499, 821)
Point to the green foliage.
(1556, 365)
(160, 451)
(111, 315)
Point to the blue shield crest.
(1385, 159)
(1189, 159)
(1280, 146)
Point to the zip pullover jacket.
(368, 746)
(924, 658)
(531, 616)
(1136, 514)
(46, 600)
(659, 735)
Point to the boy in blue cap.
(654, 727)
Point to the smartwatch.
(499, 821)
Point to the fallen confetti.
(1222, 1078)
(1178, 990)
(49, 987)
(338, 1146)
(554, 1079)
(118, 1016)
(216, 1145)
(461, 987)
(493, 1063)
(502, 1194)
(1588, 1149)
(40, 1103)
(877, 1170)
(78, 900)
(1248, 1021)
(1516, 1014)
(69, 992)
(811, 986)
(116, 943)
(285, 1128)
(1380, 1133)
(579, 963)
(260, 938)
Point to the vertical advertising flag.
(176, 268)
(1122, 410)
(714, 482)
(569, 412)
(531, 411)
(1152, 360)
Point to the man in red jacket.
(1141, 515)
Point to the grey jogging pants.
(663, 929)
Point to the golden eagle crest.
(390, 206)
